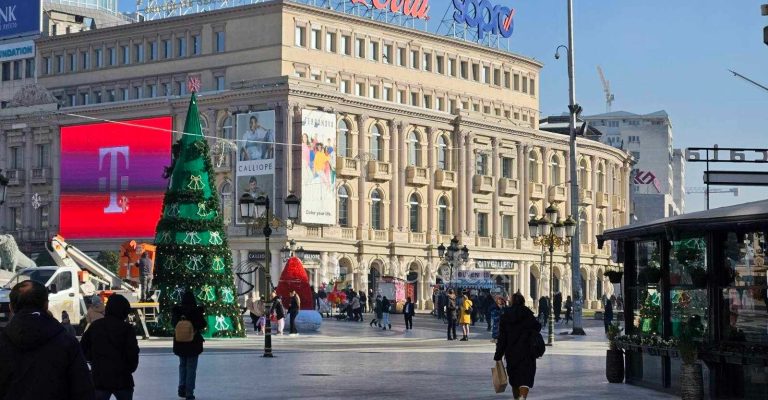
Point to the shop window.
(688, 284)
(742, 285)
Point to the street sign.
(745, 178)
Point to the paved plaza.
(354, 361)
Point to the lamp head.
(293, 204)
(247, 206)
(570, 227)
(533, 227)
(552, 212)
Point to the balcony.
(509, 187)
(379, 170)
(348, 234)
(416, 237)
(557, 194)
(41, 176)
(445, 179)
(347, 167)
(536, 190)
(482, 184)
(314, 231)
(15, 177)
(379, 235)
(418, 176)
(509, 243)
(618, 204)
(482, 241)
(601, 200)
(585, 197)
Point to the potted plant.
(614, 356)
(691, 379)
(614, 276)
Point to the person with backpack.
(451, 314)
(520, 343)
(385, 308)
(465, 315)
(408, 313)
(188, 320)
(278, 310)
(110, 346)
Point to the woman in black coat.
(188, 351)
(516, 326)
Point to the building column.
(394, 183)
(288, 123)
(403, 159)
(431, 206)
(496, 234)
(469, 201)
(362, 195)
(459, 195)
(523, 200)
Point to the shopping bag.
(499, 375)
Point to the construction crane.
(703, 189)
(747, 79)
(606, 89)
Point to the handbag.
(499, 377)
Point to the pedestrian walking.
(442, 302)
(38, 360)
(188, 320)
(451, 313)
(496, 308)
(145, 276)
(408, 313)
(293, 311)
(465, 316)
(385, 308)
(608, 315)
(516, 326)
(95, 310)
(363, 304)
(568, 309)
(473, 311)
(543, 309)
(256, 309)
(357, 314)
(278, 312)
(67, 324)
(110, 346)
(558, 305)
(377, 311)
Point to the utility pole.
(574, 109)
(764, 11)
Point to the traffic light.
(764, 9)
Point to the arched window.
(533, 167)
(414, 149)
(376, 206)
(343, 206)
(226, 128)
(583, 174)
(615, 177)
(442, 152)
(583, 228)
(600, 177)
(554, 171)
(533, 213)
(442, 215)
(414, 205)
(377, 143)
(343, 141)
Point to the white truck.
(75, 279)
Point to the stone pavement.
(354, 361)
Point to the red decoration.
(294, 277)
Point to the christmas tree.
(192, 249)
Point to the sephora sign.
(485, 17)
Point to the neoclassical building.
(436, 138)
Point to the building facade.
(436, 138)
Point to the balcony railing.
(348, 234)
(618, 203)
(445, 179)
(417, 175)
(416, 237)
(557, 194)
(509, 243)
(536, 190)
(379, 170)
(482, 184)
(314, 231)
(509, 187)
(41, 175)
(15, 177)
(348, 167)
(601, 200)
(483, 241)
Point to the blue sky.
(657, 54)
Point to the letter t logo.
(109, 183)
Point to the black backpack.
(537, 344)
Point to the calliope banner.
(318, 167)
(255, 155)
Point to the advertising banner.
(17, 51)
(112, 183)
(255, 155)
(20, 18)
(318, 167)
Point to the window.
(497, 77)
(181, 88)
(196, 45)
(386, 54)
(138, 92)
(300, 73)
(583, 174)
(343, 141)
(152, 51)
(377, 143)
(298, 38)
(440, 64)
(17, 69)
(167, 49)
(451, 105)
(47, 65)
(330, 42)
(60, 64)
(634, 139)
(359, 88)
(486, 74)
(475, 107)
(507, 167)
(415, 59)
(554, 171)
(97, 96)
(343, 206)
(427, 101)
(507, 226)
(110, 95)
(17, 157)
(220, 83)
(440, 104)
(442, 215)
(464, 70)
(506, 79)
(481, 164)
(63, 281)
(414, 149)
(487, 109)
(533, 167)
(533, 87)
(600, 225)
(330, 79)
(346, 45)
(30, 68)
(401, 96)
(414, 98)
(482, 224)
(85, 58)
(111, 56)
(124, 94)
(126, 54)
(600, 177)
(636, 155)
(181, 47)
(16, 221)
(525, 84)
(376, 206)
(373, 51)
(452, 67)
(442, 152)
(41, 220)
(218, 38)
(151, 90)
(516, 81)
(72, 62)
(344, 87)
(426, 64)
(360, 48)
(84, 98)
(387, 93)
(165, 89)
(315, 39)
(373, 91)
(613, 124)
(401, 56)
(414, 211)
(97, 55)
(476, 72)
(138, 53)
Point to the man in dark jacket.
(145, 275)
(516, 326)
(558, 305)
(38, 359)
(188, 352)
(408, 313)
(451, 314)
(111, 347)
(293, 311)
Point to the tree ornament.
(192, 238)
(207, 293)
(227, 295)
(177, 294)
(170, 262)
(164, 237)
(218, 264)
(195, 182)
(221, 323)
(195, 263)
(172, 210)
(202, 210)
(215, 238)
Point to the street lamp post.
(453, 254)
(559, 235)
(258, 213)
(3, 186)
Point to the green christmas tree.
(192, 249)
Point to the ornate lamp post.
(258, 214)
(453, 255)
(558, 235)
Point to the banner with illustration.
(318, 167)
(255, 155)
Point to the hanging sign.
(411, 8)
(485, 17)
